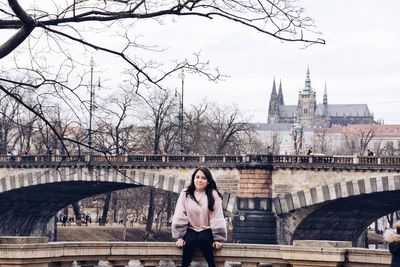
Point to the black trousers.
(203, 240)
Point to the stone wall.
(293, 180)
(255, 183)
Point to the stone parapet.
(88, 254)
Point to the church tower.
(306, 104)
(280, 95)
(325, 115)
(273, 109)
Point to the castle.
(310, 114)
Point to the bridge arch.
(29, 200)
(339, 211)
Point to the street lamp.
(91, 106)
(182, 76)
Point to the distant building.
(353, 139)
(310, 114)
(278, 137)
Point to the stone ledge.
(49, 254)
(23, 239)
(322, 243)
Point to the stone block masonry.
(255, 183)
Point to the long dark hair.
(211, 186)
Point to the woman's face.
(200, 181)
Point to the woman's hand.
(217, 245)
(180, 243)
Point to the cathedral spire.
(273, 109)
(280, 94)
(325, 101)
(307, 86)
(273, 89)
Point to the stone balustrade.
(303, 253)
(285, 161)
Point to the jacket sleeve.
(180, 220)
(217, 220)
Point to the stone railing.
(86, 254)
(285, 161)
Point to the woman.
(393, 237)
(198, 219)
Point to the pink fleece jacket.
(196, 216)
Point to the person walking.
(392, 236)
(198, 220)
(64, 220)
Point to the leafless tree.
(390, 149)
(379, 148)
(116, 122)
(195, 127)
(26, 131)
(252, 144)
(276, 142)
(357, 142)
(159, 109)
(226, 129)
(48, 42)
(8, 123)
(365, 139)
(280, 19)
(62, 123)
(321, 142)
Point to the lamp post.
(91, 106)
(182, 76)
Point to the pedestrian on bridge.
(392, 236)
(199, 220)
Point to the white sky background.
(360, 62)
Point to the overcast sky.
(360, 62)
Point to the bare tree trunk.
(169, 205)
(105, 209)
(77, 210)
(150, 213)
(114, 201)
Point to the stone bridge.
(29, 199)
(336, 211)
(276, 199)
